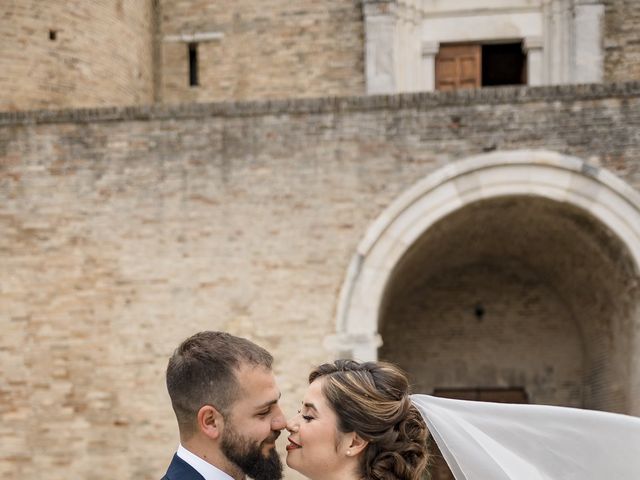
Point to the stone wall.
(127, 229)
(269, 49)
(75, 54)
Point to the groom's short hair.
(202, 371)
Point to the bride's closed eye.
(306, 418)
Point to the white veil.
(496, 441)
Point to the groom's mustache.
(273, 437)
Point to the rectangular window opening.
(475, 65)
(53, 34)
(193, 64)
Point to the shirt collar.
(204, 468)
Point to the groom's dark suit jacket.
(181, 470)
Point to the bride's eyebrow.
(309, 405)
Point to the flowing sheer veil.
(495, 441)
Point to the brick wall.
(621, 43)
(270, 49)
(101, 54)
(125, 230)
(434, 333)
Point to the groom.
(225, 398)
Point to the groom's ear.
(357, 444)
(210, 421)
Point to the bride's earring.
(348, 453)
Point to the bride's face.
(316, 448)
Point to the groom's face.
(253, 425)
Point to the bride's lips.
(292, 445)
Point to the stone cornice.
(422, 101)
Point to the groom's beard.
(247, 455)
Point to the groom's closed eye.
(266, 408)
(264, 413)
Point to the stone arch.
(564, 181)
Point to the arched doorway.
(507, 270)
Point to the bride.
(358, 422)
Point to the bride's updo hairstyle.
(372, 399)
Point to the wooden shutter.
(459, 66)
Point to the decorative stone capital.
(378, 7)
(409, 11)
(532, 43)
(430, 48)
(348, 344)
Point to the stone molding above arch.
(539, 173)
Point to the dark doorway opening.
(503, 64)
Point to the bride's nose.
(292, 424)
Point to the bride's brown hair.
(372, 399)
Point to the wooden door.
(458, 67)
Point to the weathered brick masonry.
(621, 40)
(75, 53)
(273, 49)
(117, 52)
(127, 229)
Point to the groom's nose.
(278, 421)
